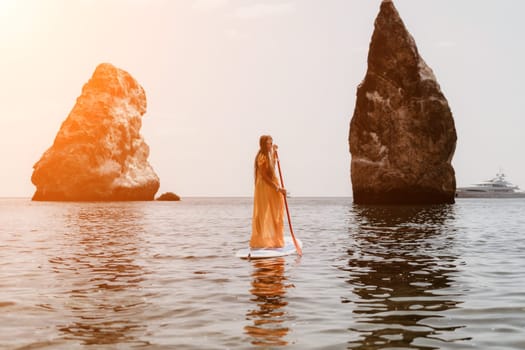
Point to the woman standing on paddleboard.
(268, 202)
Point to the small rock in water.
(168, 196)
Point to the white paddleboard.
(261, 253)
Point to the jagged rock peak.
(402, 135)
(98, 153)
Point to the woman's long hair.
(262, 151)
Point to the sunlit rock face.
(98, 153)
(402, 134)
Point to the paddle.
(297, 247)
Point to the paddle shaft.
(297, 247)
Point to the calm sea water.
(162, 275)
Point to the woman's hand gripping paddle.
(297, 247)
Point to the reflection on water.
(401, 265)
(105, 299)
(157, 275)
(268, 290)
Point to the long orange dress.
(268, 208)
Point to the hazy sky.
(219, 73)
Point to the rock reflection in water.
(401, 267)
(106, 302)
(268, 290)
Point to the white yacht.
(497, 187)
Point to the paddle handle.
(297, 247)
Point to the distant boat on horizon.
(497, 187)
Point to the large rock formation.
(402, 134)
(98, 153)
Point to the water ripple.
(164, 275)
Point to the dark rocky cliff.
(402, 134)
